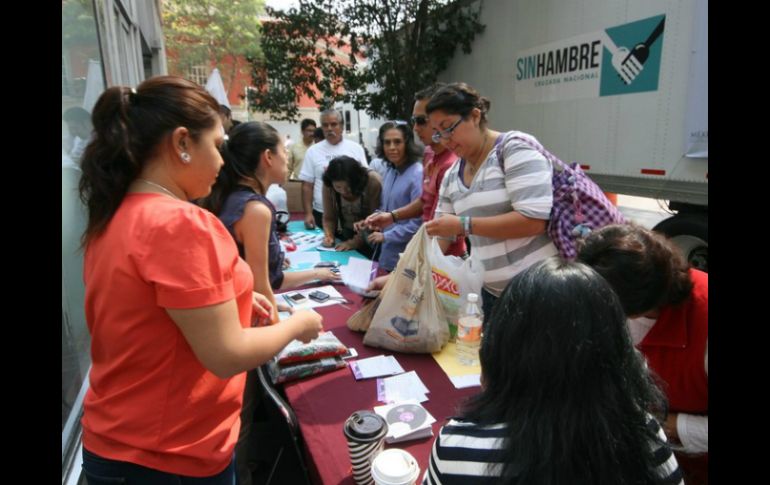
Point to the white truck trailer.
(619, 86)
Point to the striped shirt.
(524, 187)
(465, 452)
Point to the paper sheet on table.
(357, 274)
(303, 260)
(401, 387)
(324, 248)
(461, 375)
(377, 366)
(306, 241)
(335, 297)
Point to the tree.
(223, 31)
(373, 53)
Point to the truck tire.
(690, 232)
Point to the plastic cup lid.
(394, 467)
(365, 425)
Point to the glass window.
(198, 74)
(82, 83)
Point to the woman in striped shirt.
(565, 398)
(502, 206)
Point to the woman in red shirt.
(169, 303)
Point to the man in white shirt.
(317, 158)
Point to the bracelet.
(464, 224)
(394, 215)
(470, 226)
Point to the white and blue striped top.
(524, 187)
(465, 452)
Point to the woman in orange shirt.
(169, 303)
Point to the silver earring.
(185, 157)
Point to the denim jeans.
(488, 301)
(103, 471)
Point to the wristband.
(394, 215)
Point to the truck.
(621, 87)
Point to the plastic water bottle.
(469, 331)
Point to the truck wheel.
(690, 232)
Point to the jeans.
(488, 301)
(103, 471)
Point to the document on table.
(335, 297)
(357, 274)
(462, 376)
(303, 260)
(401, 387)
(380, 365)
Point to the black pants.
(319, 219)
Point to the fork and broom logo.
(619, 60)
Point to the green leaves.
(219, 31)
(336, 50)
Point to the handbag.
(579, 205)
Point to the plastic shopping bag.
(454, 277)
(410, 317)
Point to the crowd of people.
(593, 371)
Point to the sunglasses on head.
(419, 120)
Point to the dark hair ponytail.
(128, 127)
(241, 153)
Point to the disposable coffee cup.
(365, 432)
(395, 467)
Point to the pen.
(288, 300)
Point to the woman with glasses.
(351, 192)
(502, 206)
(401, 185)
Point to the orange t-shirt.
(151, 402)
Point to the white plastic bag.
(454, 277)
(410, 317)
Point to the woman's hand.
(307, 324)
(447, 225)
(344, 246)
(377, 283)
(376, 238)
(309, 221)
(328, 241)
(379, 220)
(326, 274)
(359, 226)
(262, 309)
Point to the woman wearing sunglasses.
(502, 206)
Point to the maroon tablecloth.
(323, 403)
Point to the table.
(322, 403)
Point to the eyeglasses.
(445, 134)
(419, 120)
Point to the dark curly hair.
(646, 270)
(347, 169)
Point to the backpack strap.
(506, 137)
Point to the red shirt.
(150, 401)
(676, 345)
(435, 166)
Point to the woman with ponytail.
(169, 304)
(255, 157)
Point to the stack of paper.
(402, 387)
(462, 376)
(407, 420)
(375, 367)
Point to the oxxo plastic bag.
(454, 278)
(410, 317)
